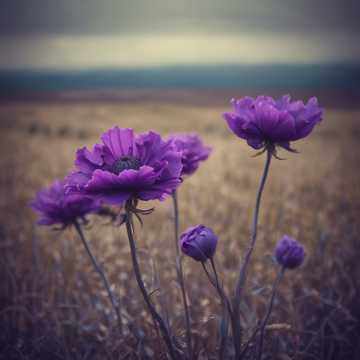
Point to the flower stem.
(236, 327)
(268, 312)
(102, 275)
(219, 288)
(226, 305)
(180, 275)
(157, 318)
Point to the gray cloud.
(165, 16)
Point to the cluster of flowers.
(126, 168)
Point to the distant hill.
(184, 76)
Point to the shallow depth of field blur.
(53, 304)
(69, 70)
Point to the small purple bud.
(198, 242)
(289, 252)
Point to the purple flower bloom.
(55, 206)
(266, 122)
(289, 253)
(192, 149)
(198, 242)
(127, 166)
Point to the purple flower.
(55, 206)
(289, 253)
(265, 122)
(192, 149)
(198, 242)
(126, 167)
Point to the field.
(52, 303)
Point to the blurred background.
(52, 46)
(71, 69)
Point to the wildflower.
(198, 242)
(289, 252)
(265, 122)
(55, 206)
(127, 167)
(192, 149)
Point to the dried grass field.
(52, 303)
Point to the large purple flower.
(127, 167)
(193, 151)
(55, 206)
(265, 122)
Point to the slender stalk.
(226, 308)
(102, 275)
(268, 312)
(157, 318)
(236, 327)
(220, 291)
(180, 275)
(252, 337)
(219, 288)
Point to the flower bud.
(289, 252)
(198, 242)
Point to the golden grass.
(53, 303)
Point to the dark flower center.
(125, 163)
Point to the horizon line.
(84, 69)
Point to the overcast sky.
(88, 33)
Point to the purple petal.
(87, 161)
(120, 142)
(235, 124)
(255, 143)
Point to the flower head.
(127, 167)
(55, 206)
(289, 253)
(265, 122)
(198, 242)
(192, 149)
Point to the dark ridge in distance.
(341, 81)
